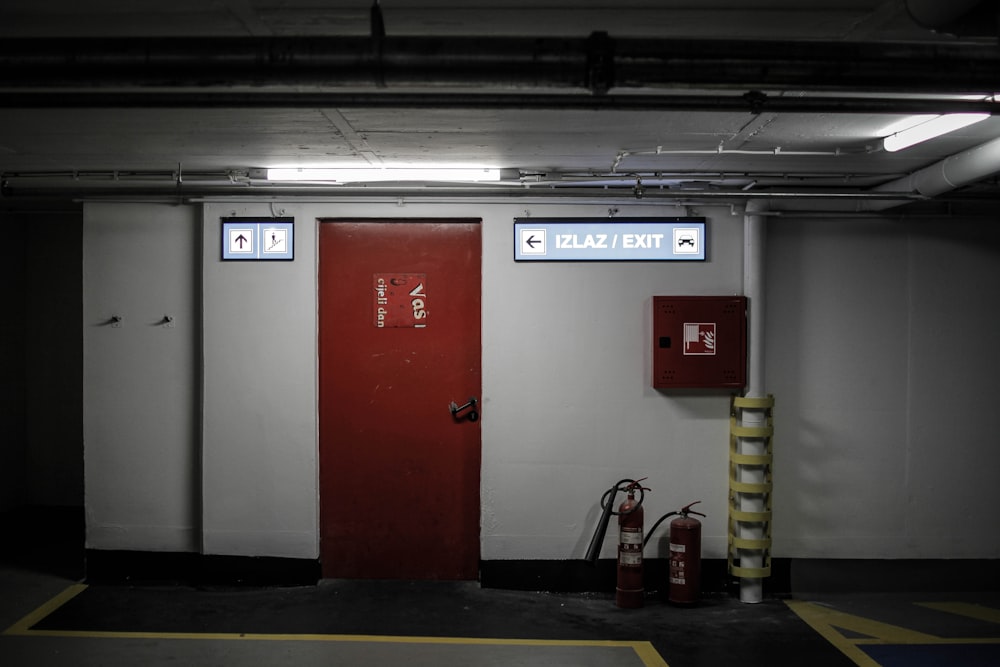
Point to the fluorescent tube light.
(934, 127)
(382, 174)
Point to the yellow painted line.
(828, 623)
(936, 641)
(818, 619)
(888, 634)
(22, 626)
(379, 639)
(976, 611)
(644, 650)
(650, 656)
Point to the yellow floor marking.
(888, 634)
(818, 618)
(976, 611)
(644, 650)
(828, 622)
(649, 655)
(41, 612)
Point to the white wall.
(882, 406)
(880, 353)
(260, 424)
(140, 399)
(567, 407)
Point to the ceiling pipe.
(947, 175)
(752, 102)
(597, 63)
(950, 173)
(13, 190)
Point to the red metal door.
(399, 341)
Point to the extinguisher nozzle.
(597, 541)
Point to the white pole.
(754, 229)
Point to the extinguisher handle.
(630, 486)
(684, 511)
(637, 484)
(608, 499)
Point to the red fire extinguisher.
(685, 557)
(629, 591)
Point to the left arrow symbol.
(531, 241)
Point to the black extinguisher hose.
(684, 511)
(656, 525)
(608, 507)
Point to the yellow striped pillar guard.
(737, 517)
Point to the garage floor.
(53, 621)
(49, 617)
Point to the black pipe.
(592, 64)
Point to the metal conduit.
(596, 63)
(9, 190)
(753, 102)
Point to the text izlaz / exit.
(608, 241)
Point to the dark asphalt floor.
(718, 631)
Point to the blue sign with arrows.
(258, 239)
(604, 239)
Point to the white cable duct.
(776, 151)
(953, 172)
(950, 173)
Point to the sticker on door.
(400, 300)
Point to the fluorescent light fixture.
(931, 127)
(382, 174)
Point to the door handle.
(472, 415)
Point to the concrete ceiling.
(697, 133)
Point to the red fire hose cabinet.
(699, 342)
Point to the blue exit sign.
(604, 239)
(258, 239)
